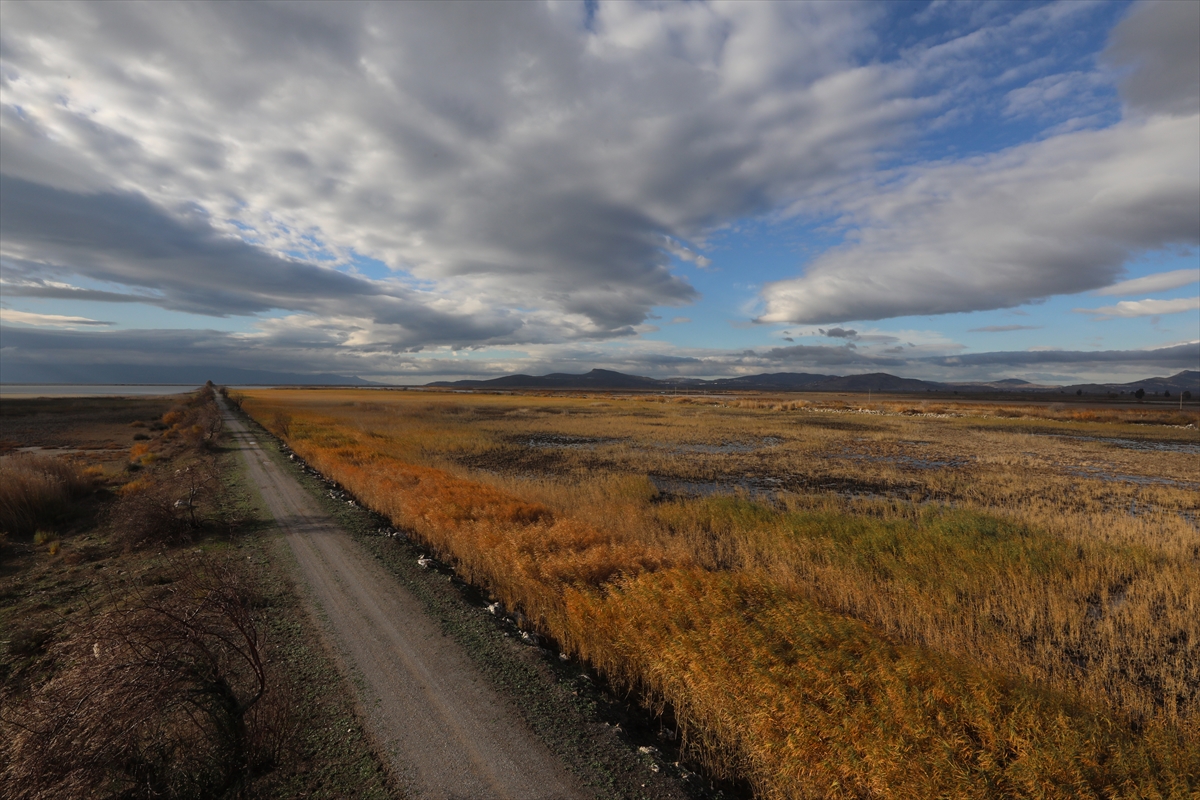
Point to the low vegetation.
(36, 490)
(148, 649)
(836, 602)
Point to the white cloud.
(47, 320)
(1058, 216)
(1052, 217)
(1049, 95)
(1159, 282)
(1144, 308)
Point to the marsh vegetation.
(897, 600)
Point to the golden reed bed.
(836, 604)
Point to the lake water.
(91, 390)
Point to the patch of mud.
(906, 462)
(1141, 480)
(533, 461)
(1143, 445)
(59, 451)
(765, 487)
(729, 448)
(831, 423)
(560, 441)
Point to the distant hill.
(596, 379)
(183, 375)
(767, 382)
(603, 379)
(1186, 381)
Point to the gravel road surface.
(445, 731)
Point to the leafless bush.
(167, 695)
(36, 488)
(164, 505)
(283, 422)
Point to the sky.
(410, 192)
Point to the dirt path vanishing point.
(443, 728)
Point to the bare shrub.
(163, 505)
(283, 423)
(165, 695)
(34, 490)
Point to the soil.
(53, 425)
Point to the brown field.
(906, 599)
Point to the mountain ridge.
(1186, 380)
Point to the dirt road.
(446, 732)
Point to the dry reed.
(995, 582)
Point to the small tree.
(1140, 393)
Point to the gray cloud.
(496, 151)
(846, 355)
(1181, 356)
(1004, 328)
(182, 263)
(840, 333)
(320, 348)
(1158, 44)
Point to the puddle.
(728, 447)
(766, 488)
(63, 451)
(1140, 480)
(564, 442)
(757, 488)
(1139, 444)
(906, 462)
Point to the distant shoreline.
(13, 390)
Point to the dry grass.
(976, 584)
(167, 694)
(35, 489)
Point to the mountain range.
(596, 380)
(608, 380)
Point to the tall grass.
(808, 703)
(36, 489)
(816, 645)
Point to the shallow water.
(726, 448)
(1141, 480)
(14, 390)
(760, 488)
(906, 462)
(562, 441)
(1141, 444)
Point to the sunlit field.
(836, 598)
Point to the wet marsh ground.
(1006, 550)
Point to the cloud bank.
(518, 152)
(372, 182)
(1057, 216)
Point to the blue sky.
(412, 192)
